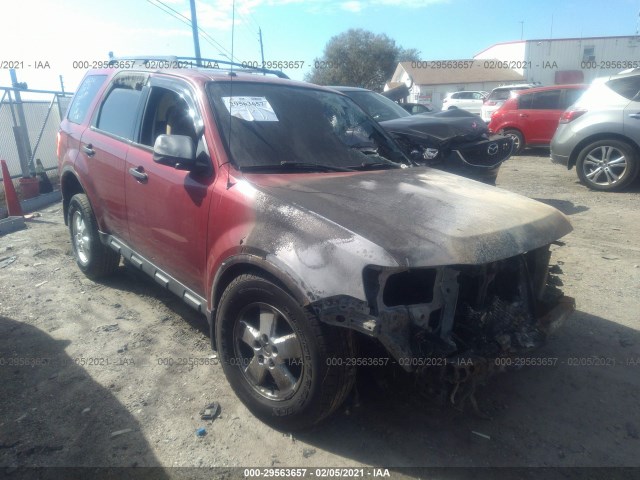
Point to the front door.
(168, 209)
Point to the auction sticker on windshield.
(250, 108)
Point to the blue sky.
(69, 30)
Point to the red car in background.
(531, 116)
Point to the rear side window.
(83, 97)
(119, 109)
(571, 96)
(549, 100)
(524, 102)
(628, 87)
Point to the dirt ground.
(116, 373)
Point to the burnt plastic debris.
(210, 412)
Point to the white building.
(553, 61)
(430, 81)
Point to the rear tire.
(518, 140)
(287, 367)
(95, 259)
(607, 165)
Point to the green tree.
(359, 58)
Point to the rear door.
(629, 88)
(74, 123)
(103, 151)
(168, 209)
(539, 117)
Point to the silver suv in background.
(466, 100)
(498, 96)
(600, 133)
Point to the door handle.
(138, 174)
(88, 149)
(523, 115)
(635, 115)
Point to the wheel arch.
(517, 129)
(248, 263)
(573, 157)
(69, 186)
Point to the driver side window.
(167, 113)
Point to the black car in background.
(454, 140)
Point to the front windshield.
(378, 106)
(269, 125)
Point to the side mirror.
(176, 151)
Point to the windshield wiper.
(308, 166)
(377, 166)
(366, 148)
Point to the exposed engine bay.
(451, 325)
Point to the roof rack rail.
(205, 63)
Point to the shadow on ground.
(565, 206)
(542, 152)
(52, 409)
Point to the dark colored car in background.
(454, 140)
(531, 116)
(600, 133)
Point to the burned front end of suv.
(448, 291)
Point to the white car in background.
(498, 96)
(471, 101)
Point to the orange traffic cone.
(13, 204)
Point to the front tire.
(607, 165)
(288, 368)
(93, 258)
(518, 140)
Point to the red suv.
(531, 116)
(287, 216)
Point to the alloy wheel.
(81, 238)
(268, 351)
(604, 165)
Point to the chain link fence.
(29, 121)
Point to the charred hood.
(419, 216)
(439, 128)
